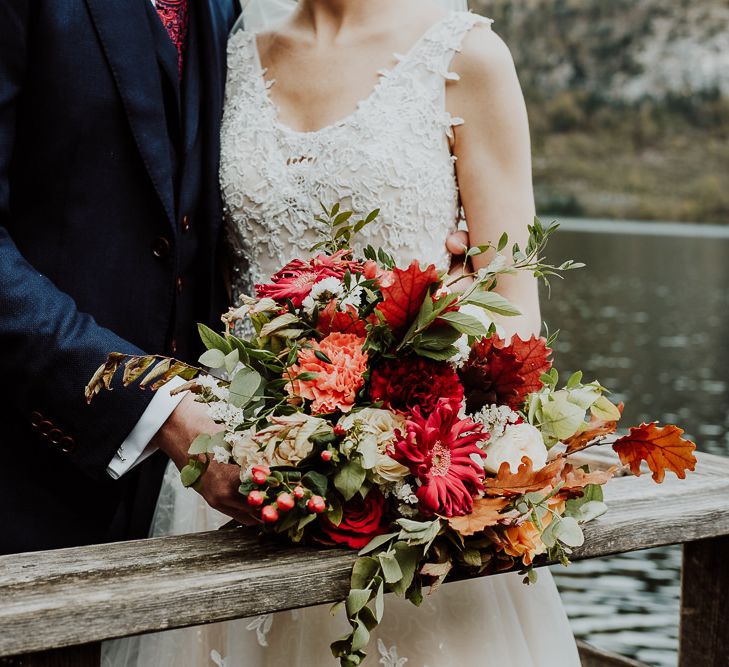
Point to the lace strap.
(439, 45)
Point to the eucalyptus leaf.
(213, 358)
(244, 386)
(376, 542)
(357, 598)
(200, 444)
(390, 567)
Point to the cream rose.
(518, 440)
(373, 431)
(287, 441)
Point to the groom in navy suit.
(109, 227)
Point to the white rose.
(517, 441)
(373, 430)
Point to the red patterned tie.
(175, 19)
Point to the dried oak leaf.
(661, 447)
(486, 512)
(576, 479)
(525, 479)
(403, 298)
(596, 428)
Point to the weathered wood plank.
(591, 656)
(72, 596)
(705, 604)
(88, 655)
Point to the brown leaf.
(438, 571)
(135, 367)
(104, 375)
(596, 428)
(662, 448)
(525, 479)
(576, 479)
(486, 512)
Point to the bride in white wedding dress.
(318, 110)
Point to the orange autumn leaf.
(403, 298)
(486, 512)
(662, 448)
(596, 428)
(576, 479)
(525, 479)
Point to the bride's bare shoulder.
(487, 74)
(483, 55)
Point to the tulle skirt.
(491, 622)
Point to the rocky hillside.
(628, 102)
(625, 50)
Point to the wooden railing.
(56, 606)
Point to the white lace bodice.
(391, 153)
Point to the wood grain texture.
(591, 656)
(704, 636)
(81, 595)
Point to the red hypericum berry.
(326, 455)
(285, 502)
(316, 504)
(256, 498)
(299, 492)
(269, 514)
(340, 430)
(260, 474)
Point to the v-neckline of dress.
(383, 74)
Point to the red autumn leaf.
(533, 355)
(662, 448)
(595, 428)
(525, 479)
(576, 479)
(504, 374)
(486, 512)
(403, 298)
(331, 319)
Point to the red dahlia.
(438, 451)
(414, 382)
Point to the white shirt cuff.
(136, 447)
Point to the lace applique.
(391, 153)
(218, 660)
(389, 657)
(262, 625)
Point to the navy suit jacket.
(109, 205)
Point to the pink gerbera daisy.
(439, 450)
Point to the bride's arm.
(493, 163)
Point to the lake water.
(648, 317)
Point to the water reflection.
(649, 317)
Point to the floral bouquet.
(378, 408)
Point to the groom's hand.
(219, 485)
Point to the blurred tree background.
(628, 102)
